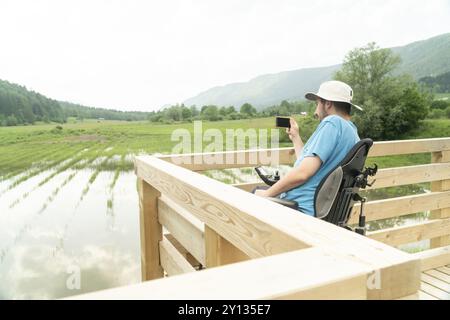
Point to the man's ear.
(328, 105)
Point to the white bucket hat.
(334, 91)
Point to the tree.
(248, 109)
(211, 113)
(186, 113)
(393, 104)
(194, 111)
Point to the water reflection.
(60, 225)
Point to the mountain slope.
(420, 59)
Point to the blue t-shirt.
(332, 140)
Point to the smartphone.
(282, 122)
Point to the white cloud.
(143, 54)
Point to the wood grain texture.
(185, 227)
(302, 274)
(219, 251)
(150, 230)
(412, 233)
(442, 185)
(259, 227)
(172, 261)
(400, 206)
(434, 258)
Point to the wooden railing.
(263, 250)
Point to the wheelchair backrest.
(335, 194)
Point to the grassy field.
(442, 96)
(33, 149)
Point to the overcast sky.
(142, 54)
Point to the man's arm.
(294, 135)
(297, 176)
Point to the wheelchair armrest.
(287, 203)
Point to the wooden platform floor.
(435, 284)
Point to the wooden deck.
(435, 284)
(203, 239)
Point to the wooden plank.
(182, 250)
(435, 282)
(392, 177)
(443, 185)
(388, 148)
(435, 292)
(252, 158)
(445, 270)
(304, 274)
(172, 261)
(185, 227)
(438, 275)
(400, 206)
(222, 207)
(219, 251)
(231, 159)
(426, 296)
(433, 258)
(420, 295)
(412, 233)
(260, 227)
(150, 231)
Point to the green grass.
(30, 150)
(442, 96)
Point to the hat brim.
(313, 97)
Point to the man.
(325, 149)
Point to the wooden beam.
(304, 274)
(185, 227)
(434, 258)
(219, 251)
(442, 185)
(222, 207)
(231, 159)
(182, 250)
(434, 292)
(172, 261)
(252, 158)
(260, 227)
(412, 233)
(393, 177)
(151, 231)
(400, 206)
(390, 148)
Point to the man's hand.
(294, 135)
(293, 131)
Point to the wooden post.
(151, 231)
(442, 185)
(220, 251)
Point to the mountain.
(440, 83)
(420, 59)
(18, 105)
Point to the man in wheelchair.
(330, 143)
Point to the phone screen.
(282, 122)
